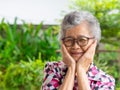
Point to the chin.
(76, 58)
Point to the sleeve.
(51, 79)
(109, 85)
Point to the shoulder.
(104, 80)
(54, 63)
(107, 81)
(54, 66)
(52, 75)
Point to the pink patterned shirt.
(55, 72)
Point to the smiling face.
(79, 31)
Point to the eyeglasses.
(81, 41)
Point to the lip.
(76, 53)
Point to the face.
(79, 34)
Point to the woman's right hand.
(68, 81)
(67, 59)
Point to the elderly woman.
(80, 33)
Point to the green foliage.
(24, 75)
(48, 44)
(117, 88)
(107, 13)
(20, 45)
(106, 61)
(1, 80)
(26, 41)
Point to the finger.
(64, 50)
(91, 51)
(92, 47)
(67, 59)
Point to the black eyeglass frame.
(76, 41)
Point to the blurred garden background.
(26, 47)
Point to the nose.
(75, 45)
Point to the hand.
(67, 59)
(87, 58)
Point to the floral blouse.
(54, 73)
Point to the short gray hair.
(75, 18)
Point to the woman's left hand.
(85, 61)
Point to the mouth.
(76, 53)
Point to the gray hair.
(75, 18)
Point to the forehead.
(80, 30)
